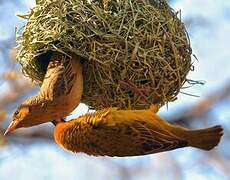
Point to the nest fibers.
(136, 52)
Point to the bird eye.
(16, 114)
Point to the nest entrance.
(136, 52)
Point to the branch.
(203, 107)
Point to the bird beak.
(11, 127)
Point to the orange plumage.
(109, 132)
(59, 94)
(114, 132)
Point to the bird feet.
(56, 121)
(154, 108)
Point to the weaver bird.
(59, 95)
(113, 132)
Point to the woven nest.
(137, 52)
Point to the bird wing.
(103, 134)
(59, 78)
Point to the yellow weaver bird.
(59, 95)
(113, 132)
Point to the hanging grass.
(136, 52)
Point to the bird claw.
(58, 120)
(154, 108)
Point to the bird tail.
(205, 139)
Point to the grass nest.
(136, 52)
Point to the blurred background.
(32, 154)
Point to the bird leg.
(56, 121)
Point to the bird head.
(27, 115)
(20, 119)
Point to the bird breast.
(97, 136)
